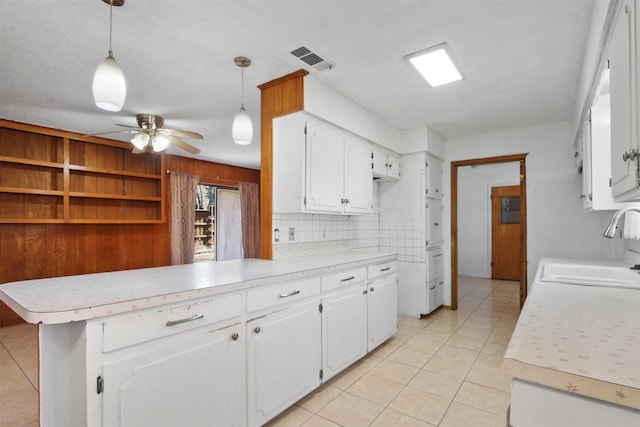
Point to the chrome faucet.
(613, 224)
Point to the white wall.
(474, 214)
(557, 225)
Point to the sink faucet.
(613, 224)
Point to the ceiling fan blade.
(183, 145)
(183, 133)
(114, 131)
(127, 126)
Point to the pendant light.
(109, 86)
(242, 128)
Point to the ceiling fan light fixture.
(160, 142)
(242, 129)
(109, 84)
(140, 141)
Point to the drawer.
(435, 264)
(147, 325)
(273, 296)
(382, 269)
(344, 278)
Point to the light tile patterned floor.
(441, 370)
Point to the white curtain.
(183, 201)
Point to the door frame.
(521, 158)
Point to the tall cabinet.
(415, 203)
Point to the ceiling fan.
(150, 134)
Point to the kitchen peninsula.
(236, 341)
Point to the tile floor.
(441, 370)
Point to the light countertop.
(82, 297)
(581, 339)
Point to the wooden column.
(281, 96)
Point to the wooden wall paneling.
(34, 251)
(278, 97)
(12, 244)
(50, 250)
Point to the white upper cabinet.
(319, 168)
(624, 81)
(384, 164)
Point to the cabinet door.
(624, 119)
(195, 381)
(393, 166)
(344, 328)
(283, 359)
(325, 168)
(378, 160)
(382, 310)
(358, 179)
(433, 176)
(433, 220)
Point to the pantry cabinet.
(625, 98)
(321, 168)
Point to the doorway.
(522, 272)
(505, 233)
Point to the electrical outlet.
(292, 234)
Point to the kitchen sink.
(589, 274)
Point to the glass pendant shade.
(242, 128)
(160, 142)
(109, 86)
(140, 141)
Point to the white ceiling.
(521, 60)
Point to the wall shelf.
(49, 176)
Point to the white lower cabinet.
(344, 328)
(283, 359)
(179, 383)
(382, 307)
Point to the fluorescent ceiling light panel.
(435, 65)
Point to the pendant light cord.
(110, 25)
(242, 99)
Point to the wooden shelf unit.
(52, 176)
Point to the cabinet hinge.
(609, 182)
(321, 374)
(99, 385)
(305, 128)
(320, 308)
(608, 63)
(305, 200)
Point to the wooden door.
(506, 255)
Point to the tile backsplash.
(300, 234)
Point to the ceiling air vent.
(311, 58)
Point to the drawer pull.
(257, 329)
(188, 319)
(433, 287)
(437, 255)
(385, 269)
(441, 283)
(290, 294)
(371, 289)
(235, 336)
(365, 292)
(347, 279)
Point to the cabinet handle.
(371, 289)
(347, 279)
(436, 224)
(437, 255)
(433, 287)
(188, 319)
(630, 155)
(257, 329)
(235, 336)
(290, 294)
(441, 283)
(385, 269)
(365, 292)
